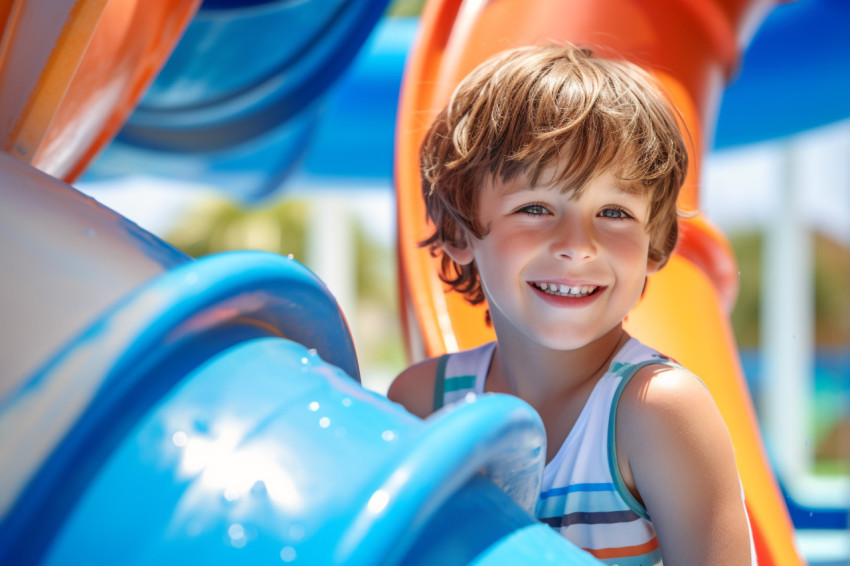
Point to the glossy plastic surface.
(237, 103)
(66, 259)
(72, 71)
(198, 417)
(103, 379)
(265, 453)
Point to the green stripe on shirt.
(459, 382)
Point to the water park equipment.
(213, 412)
(102, 460)
(220, 114)
(74, 70)
(159, 408)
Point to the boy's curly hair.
(526, 109)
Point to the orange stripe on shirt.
(625, 551)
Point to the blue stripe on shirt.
(576, 487)
(586, 501)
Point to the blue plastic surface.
(98, 386)
(265, 453)
(346, 133)
(538, 545)
(194, 420)
(66, 259)
(265, 436)
(178, 426)
(240, 71)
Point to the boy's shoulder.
(413, 388)
(666, 413)
(663, 387)
(674, 448)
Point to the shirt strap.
(439, 381)
(613, 465)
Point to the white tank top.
(583, 495)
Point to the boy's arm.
(679, 456)
(414, 388)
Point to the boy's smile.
(566, 295)
(558, 269)
(565, 290)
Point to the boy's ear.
(653, 265)
(461, 254)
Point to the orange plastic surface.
(692, 47)
(71, 72)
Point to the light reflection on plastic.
(378, 502)
(179, 439)
(222, 465)
(287, 554)
(237, 535)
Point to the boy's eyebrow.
(530, 188)
(521, 184)
(628, 187)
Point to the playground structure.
(211, 386)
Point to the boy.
(551, 179)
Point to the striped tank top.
(582, 496)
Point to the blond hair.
(528, 108)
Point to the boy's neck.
(540, 375)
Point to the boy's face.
(557, 270)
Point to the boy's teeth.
(575, 290)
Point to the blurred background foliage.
(405, 8)
(282, 226)
(831, 266)
(830, 263)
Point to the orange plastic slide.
(692, 46)
(74, 70)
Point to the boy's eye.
(614, 213)
(534, 209)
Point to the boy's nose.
(573, 240)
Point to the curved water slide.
(693, 47)
(160, 409)
(156, 409)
